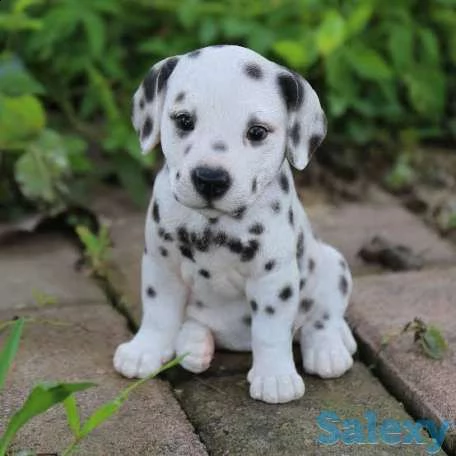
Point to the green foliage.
(96, 248)
(71, 68)
(9, 350)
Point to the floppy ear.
(148, 103)
(306, 120)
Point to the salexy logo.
(370, 431)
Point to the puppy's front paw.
(276, 389)
(328, 353)
(138, 359)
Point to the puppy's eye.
(257, 133)
(184, 122)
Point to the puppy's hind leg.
(327, 343)
(196, 342)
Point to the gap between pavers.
(150, 422)
(382, 304)
(229, 422)
(41, 267)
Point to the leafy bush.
(69, 69)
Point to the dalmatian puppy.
(230, 258)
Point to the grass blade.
(10, 349)
(72, 413)
(41, 398)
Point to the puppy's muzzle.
(211, 183)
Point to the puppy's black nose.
(211, 183)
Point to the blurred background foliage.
(384, 70)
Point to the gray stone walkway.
(185, 414)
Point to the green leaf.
(400, 46)
(368, 63)
(42, 169)
(41, 398)
(292, 52)
(433, 343)
(359, 18)
(131, 177)
(20, 118)
(95, 30)
(429, 51)
(100, 416)
(331, 33)
(15, 79)
(10, 349)
(72, 414)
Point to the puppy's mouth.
(209, 209)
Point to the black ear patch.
(314, 142)
(165, 72)
(291, 90)
(149, 85)
(253, 70)
(295, 133)
(147, 128)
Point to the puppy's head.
(226, 118)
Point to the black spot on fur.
(163, 251)
(343, 263)
(182, 235)
(204, 273)
(249, 251)
(235, 245)
(275, 205)
(295, 133)
(202, 242)
(314, 142)
(286, 293)
(142, 103)
(269, 310)
(199, 304)
(194, 54)
(165, 72)
(168, 237)
(247, 320)
(254, 305)
(220, 238)
(291, 216)
(306, 304)
(156, 212)
(253, 70)
(326, 316)
(239, 213)
(149, 85)
(213, 220)
(147, 128)
(269, 266)
(254, 185)
(284, 184)
(291, 90)
(302, 283)
(343, 285)
(300, 246)
(151, 292)
(186, 252)
(178, 175)
(311, 265)
(219, 146)
(319, 325)
(180, 97)
(256, 228)
(187, 149)
(145, 250)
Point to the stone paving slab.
(151, 422)
(43, 264)
(349, 226)
(382, 304)
(229, 422)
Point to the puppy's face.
(226, 118)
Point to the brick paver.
(151, 422)
(382, 304)
(40, 267)
(229, 422)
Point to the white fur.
(190, 313)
